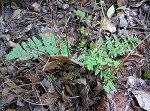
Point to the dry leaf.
(102, 103)
(107, 25)
(143, 99)
(68, 76)
(51, 65)
(12, 44)
(11, 109)
(81, 81)
(49, 99)
(13, 86)
(70, 90)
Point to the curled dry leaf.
(85, 96)
(58, 60)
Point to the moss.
(146, 70)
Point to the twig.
(130, 54)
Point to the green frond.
(35, 47)
(104, 61)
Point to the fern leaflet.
(35, 47)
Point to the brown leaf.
(70, 90)
(81, 81)
(98, 88)
(49, 99)
(85, 96)
(33, 78)
(57, 61)
(68, 76)
(11, 85)
(51, 65)
(120, 3)
(102, 103)
(61, 59)
(11, 109)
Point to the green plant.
(35, 47)
(102, 57)
(84, 30)
(82, 43)
(52, 77)
(79, 13)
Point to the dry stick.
(27, 100)
(46, 64)
(114, 72)
(130, 54)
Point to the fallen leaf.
(68, 76)
(49, 99)
(33, 78)
(98, 88)
(81, 81)
(12, 44)
(11, 109)
(107, 25)
(8, 99)
(51, 65)
(70, 90)
(85, 96)
(12, 86)
(102, 103)
(143, 98)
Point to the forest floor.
(70, 86)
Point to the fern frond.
(105, 55)
(35, 47)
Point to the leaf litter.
(61, 83)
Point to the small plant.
(102, 57)
(35, 47)
(82, 43)
(52, 77)
(84, 30)
(79, 13)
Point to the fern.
(102, 59)
(35, 47)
